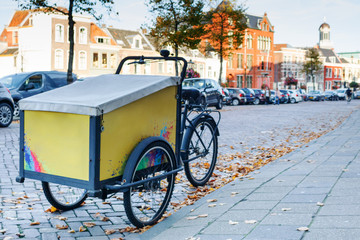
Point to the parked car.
(341, 92)
(357, 94)
(303, 94)
(285, 96)
(316, 95)
(250, 95)
(226, 97)
(6, 106)
(211, 91)
(259, 96)
(237, 96)
(295, 96)
(331, 95)
(23, 85)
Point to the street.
(246, 132)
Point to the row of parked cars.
(15, 87)
(214, 95)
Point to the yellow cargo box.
(82, 134)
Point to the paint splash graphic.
(153, 158)
(31, 161)
(165, 132)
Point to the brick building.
(251, 65)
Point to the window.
(36, 80)
(112, 60)
(335, 73)
(230, 61)
(240, 60)
(209, 71)
(82, 60)
(59, 33)
(330, 72)
(137, 43)
(249, 42)
(82, 35)
(15, 37)
(95, 60)
(170, 68)
(249, 61)
(104, 60)
(103, 40)
(160, 67)
(59, 59)
(239, 80)
(249, 81)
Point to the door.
(32, 85)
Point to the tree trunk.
(71, 40)
(176, 62)
(221, 67)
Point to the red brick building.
(251, 65)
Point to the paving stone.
(267, 232)
(328, 233)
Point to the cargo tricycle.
(118, 133)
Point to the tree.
(226, 24)
(77, 6)
(312, 65)
(177, 23)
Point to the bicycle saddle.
(191, 94)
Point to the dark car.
(250, 95)
(6, 107)
(316, 95)
(226, 97)
(237, 96)
(23, 85)
(285, 96)
(259, 96)
(210, 90)
(331, 95)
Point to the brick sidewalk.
(288, 194)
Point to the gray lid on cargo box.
(95, 95)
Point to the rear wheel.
(6, 114)
(145, 203)
(235, 102)
(202, 145)
(16, 110)
(64, 197)
(292, 100)
(257, 101)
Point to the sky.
(296, 22)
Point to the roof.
(9, 51)
(253, 22)
(343, 60)
(327, 53)
(98, 32)
(123, 38)
(97, 95)
(18, 18)
(324, 25)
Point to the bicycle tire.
(64, 197)
(199, 171)
(145, 204)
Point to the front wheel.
(235, 102)
(6, 114)
(293, 100)
(257, 101)
(145, 203)
(201, 151)
(219, 104)
(64, 197)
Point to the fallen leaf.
(203, 215)
(104, 219)
(8, 238)
(2, 231)
(233, 222)
(34, 223)
(20, 235)
(62, 227)
(303, 229)
(320, 204)
(285, 209)
(250, 221)
(192, 217)
(109, 231)
(52, 209)
(61, 218)
(211, 200)
(120, 238)
(71, 231)
(89, 224)
(212, 205)
(82, 229)
(106, 203)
